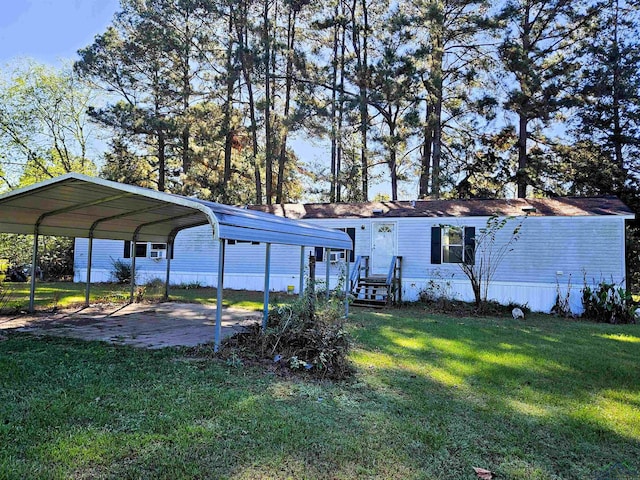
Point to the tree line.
(464, 98)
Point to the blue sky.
(51, 31)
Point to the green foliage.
(56, 258)
(155, 283)
(43, 124)
(120, 271)
(55, 253)
(491, 245)
(4, 265)
(301, 336)
(189, 285)
(633, 258)
(608, 302)
(562, 307)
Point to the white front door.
(383, 247)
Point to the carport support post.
(267, 274)
(327, 262)
(166, 280)
(301, 289)
(34, 259)
(133, 266)
(347, 284)
(89, 257)
(219, 289)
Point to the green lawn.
(63, 294)
(433, 397)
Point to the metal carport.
(76, 205)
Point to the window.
(339, 254)
(155, 250)
(450, 244)
(141, 249)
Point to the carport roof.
(73, 205)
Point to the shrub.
(438, 293)
(608, 302)
(120, 271)
(562, 307)
(190, 285)
(155, 283)
(56, 258)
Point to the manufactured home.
(562, 242)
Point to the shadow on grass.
(561, 386)
(434, 397)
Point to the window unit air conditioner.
(158, 251)
(335, 257)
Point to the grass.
(67, 294)
(433, 397)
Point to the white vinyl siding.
(548, 252)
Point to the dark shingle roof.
(553, 207)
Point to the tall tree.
(539, 50)
(609, 90)
(452, 56)
(44, 129)
(394, 96)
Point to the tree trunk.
(436, 118)
(393, 173)
(523, 117)
(161, 160)
(267, 105)
(521, 176)
(186, 98)
(282, 161)
(226, 175)
(334, 95)
(617, 126)
(393, 155)
(425, 159)
(241, 32)
(340, 115)
(364, 108)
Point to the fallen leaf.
(483, 473)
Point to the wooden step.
(372, 284)
(360, 302)
(375, 279)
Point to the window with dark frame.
(453, 244)
(153, 250)
(319, 252)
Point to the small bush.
(562, 307)
(190, 286)
(302, 337)
(120, 271)
(155, 283)
(608, 302)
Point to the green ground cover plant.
(432, 397)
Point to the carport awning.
(75, 205)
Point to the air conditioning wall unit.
(335, 257)
(158, 250)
